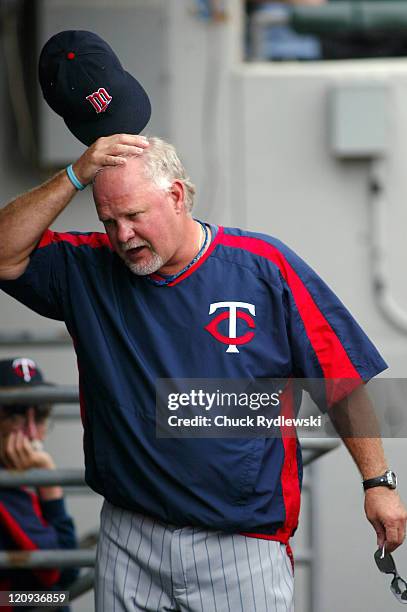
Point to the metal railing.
(313, 448)
(42, 478)
(39, 394)
(46, 559)
(74, 479)
(32, 338)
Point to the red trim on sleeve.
(289, 475)
(94, 240)
(330, 352)
(290, 482)
(47, 577)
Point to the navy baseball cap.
(84, 82)
(20, 371)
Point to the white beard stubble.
(143, 268)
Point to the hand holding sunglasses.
(386, 564)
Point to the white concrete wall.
(254, 139)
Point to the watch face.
(391, 479)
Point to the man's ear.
(177, 192)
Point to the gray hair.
(163, 166)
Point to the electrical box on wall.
(359, 120)
(137, 32)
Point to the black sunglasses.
(385, 563)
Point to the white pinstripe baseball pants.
(143, 564)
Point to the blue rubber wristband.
(74, 179)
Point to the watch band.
(388, 479)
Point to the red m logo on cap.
(100, 100)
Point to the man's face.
(141, 220)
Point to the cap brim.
(131, 115)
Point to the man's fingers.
(3, 453)
(17, 453)
(117, 154)
(111, 159)
(108, 151)
(380, 532)
(388, 516)
(11, 451)
(27, 452)
(18, 443)
(120, 150)
(395, 536)
(21, 453)
(120, 144)
(392, 538)
(127, 139)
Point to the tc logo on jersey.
(235, 310)
(100, 100)
(24, 368)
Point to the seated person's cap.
(20, 371)
(84, 82)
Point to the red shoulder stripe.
(94, 240)
(332, 356)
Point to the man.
(188, 524)
(30, 520)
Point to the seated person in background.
(279, 41)
(30, 520)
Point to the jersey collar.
(218, 231)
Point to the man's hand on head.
(108, 151)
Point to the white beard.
(144, 268)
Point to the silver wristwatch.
(388, 479)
